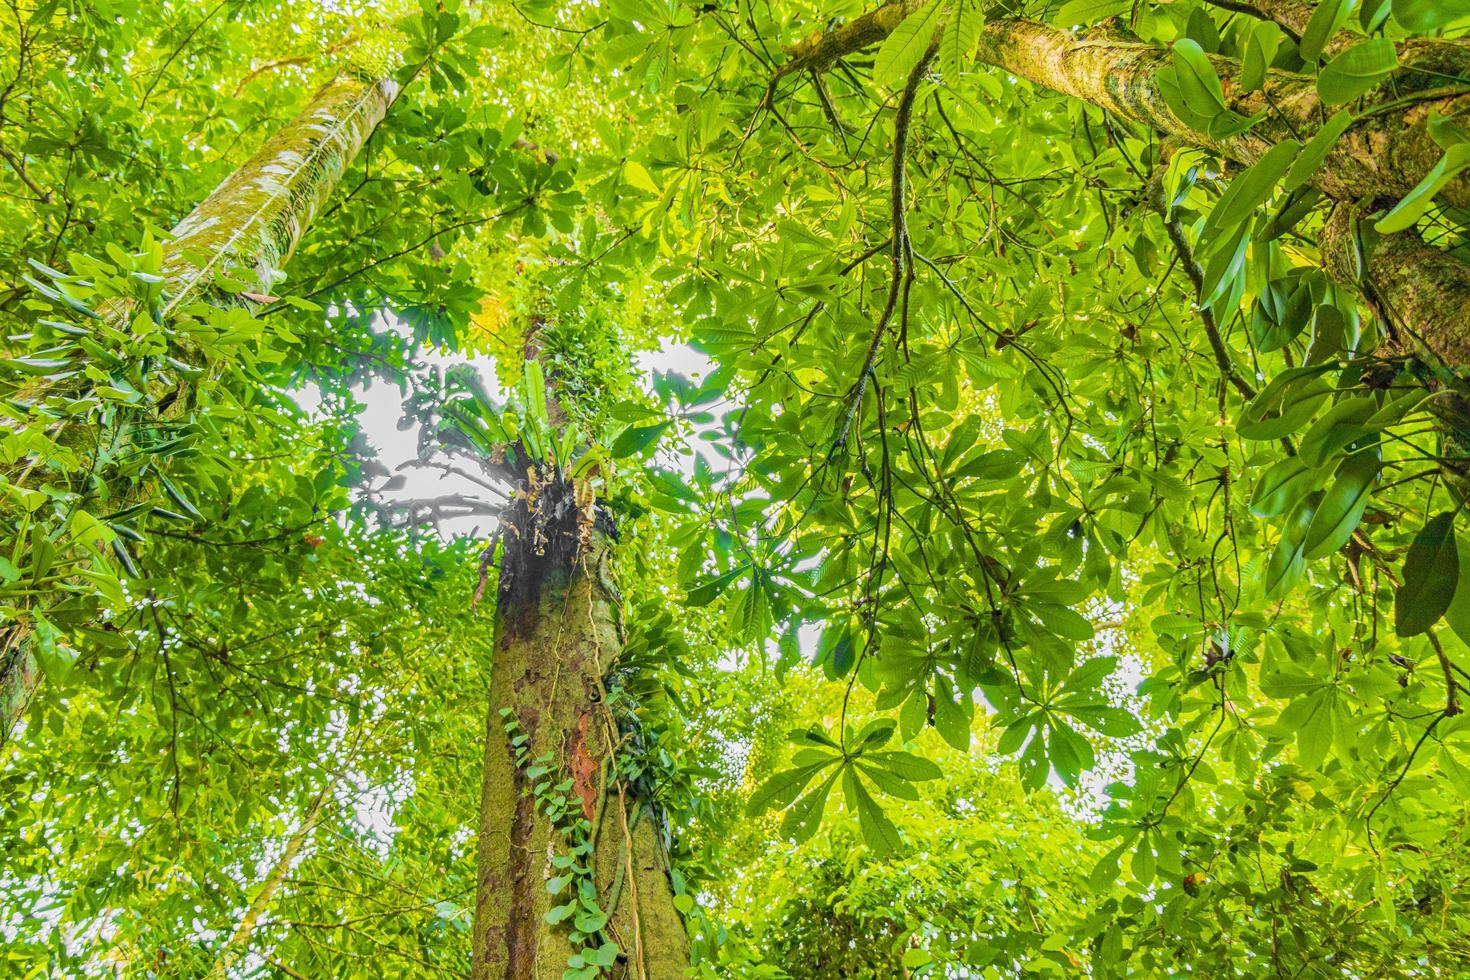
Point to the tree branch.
(900, 244)
(1157, 195)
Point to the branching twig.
(900, 246)
(1452, 688)
(1158, 198)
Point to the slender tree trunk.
(249, 227)
(238, 944)
(552, 786)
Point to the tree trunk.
(238, 944)
(1383, 155)
(554, 802)
(249, 226)
(1420, 293)
(1380, 157)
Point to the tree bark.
(551, 780)
(238, 944)
(1420, 293)
(250, 225)
(1383, 155)
(1380, 158)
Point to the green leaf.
(994, 464)
(958, 38)
(1249, 190)
(1260, 50)
(805, 815)
(1103, 718)
(1284, 483)
(1306, 164)
(605, 955)
(1455, 770)
(1313, 720)
(887, 782)
(533, 383)
(784, 786)
(1326, 18)
(1288, 560)
(1339, 427)
(875, 734)
(637, 439)
(1425, 16)
(906, 765)
(952, 714)
(1014, 734)
(1287, 401)
(1198, 83)
(878, 831)
(905, 46)
(55, 658)
(915, 958)
(1413, 205)
(1357, 71)
(1431, 574)
(1089, 675)
(707, 591)
(1458, 613)
(1076, 13)
(1342, 506)
(36, 365)
(1071, 755)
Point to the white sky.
(382, 408)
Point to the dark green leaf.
(1326, 18)
(1288, 560)
(1431, 573)
(635, 440)
(1342, 506)
(1357, 70)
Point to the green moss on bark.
(557, 636)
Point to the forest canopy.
(808, 488)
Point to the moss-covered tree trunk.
(248, 227)
(562, 836)
(1381, 157)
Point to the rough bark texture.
(1383, 155)
(253, 221)
(255, 218)
(1420, 293)
(557, 636)
(20, 674)
(1289, 15)
(820, 49)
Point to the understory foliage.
(1037, 437)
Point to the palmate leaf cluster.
(1183, 605)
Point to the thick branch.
(1290, 16)
(239, 942)
(1420, 293)
(253, 220)
(1385, 154)
(820, 49)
